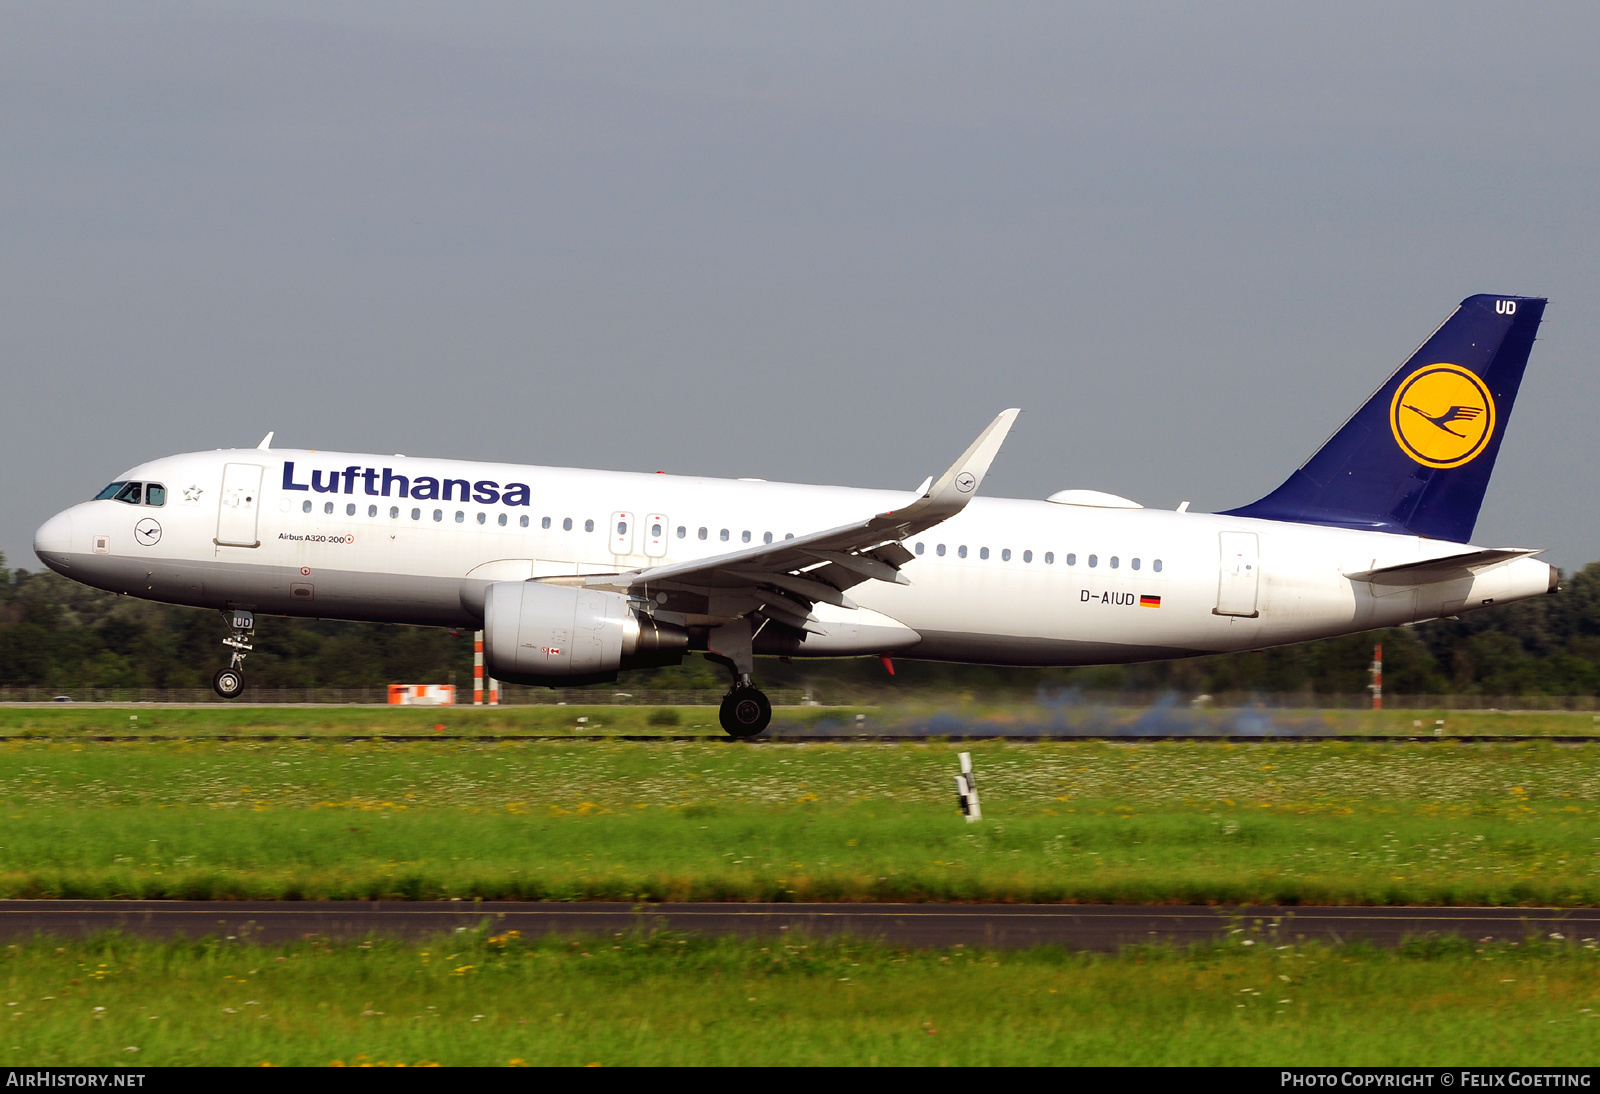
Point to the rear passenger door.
(1240, 576)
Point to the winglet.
(950, 493)
(266, 442)
(966, 474)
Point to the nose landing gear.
(229, 682)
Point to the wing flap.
(800, 586)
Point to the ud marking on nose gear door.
(241, 503)
(1240, 576)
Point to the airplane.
(574, 575)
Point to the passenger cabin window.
(745, 535)
(1027, 556)
(939, 550)
(588, 526)
(502, 519)
(350, 509)
(682, 531)
(372, 510)
(1072, 559)
(460, 516)
(919, 548)
(483, 517)
(983, 552)
(1005, 555)
(394, 512)
(327, 507)
(155, 494)
(766, 537)
(438, 515)
(1050, 558)
(305, 507)
(1115, 562)
(523, 520)
(1135, 564)
(416, 514)
(1156, 565)
(724, 535)
(962, 550)
(544, 522)
(566, 524)
(702, 533)
(1093, 561)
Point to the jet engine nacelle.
(563, 636)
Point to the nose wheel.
(229, 682)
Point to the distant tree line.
(55, 633)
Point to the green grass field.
(947, 716)
(497, 1000)
(1084, 822)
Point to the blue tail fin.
(1417, 457)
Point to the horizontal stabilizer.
(1430, 570)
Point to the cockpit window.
(152, 493)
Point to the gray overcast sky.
(819, 242)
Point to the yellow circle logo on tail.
(1442, 415)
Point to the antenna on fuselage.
(266, 442)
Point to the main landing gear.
(229, 682)
(745, 710)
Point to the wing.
(783, 580)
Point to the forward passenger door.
(239, 506)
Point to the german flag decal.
(1149, 602)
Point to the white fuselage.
(1003, 582)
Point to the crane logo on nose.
(147, 533)
(1442, 415)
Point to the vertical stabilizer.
(1417, 457)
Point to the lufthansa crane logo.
(1442, 415)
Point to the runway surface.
(1105, 928)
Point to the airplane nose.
(53, 542)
